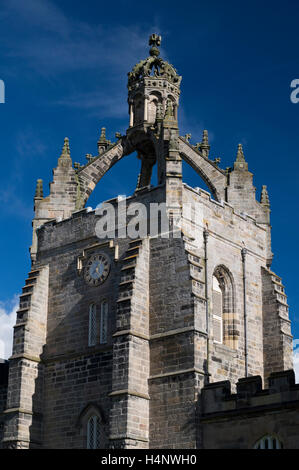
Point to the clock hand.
(97, 270)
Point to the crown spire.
(265, 197)
(153, 66)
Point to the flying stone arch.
(89, 176)
(147, 150)
(212, 175)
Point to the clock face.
(97, 269)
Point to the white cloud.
(44, 15)
(7, 321)
(43, 39)
(29, 144)
(55, 43)
(296, 359)
(12, 203)
(98, 103)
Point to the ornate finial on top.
(155, 41)
(39, 193)
(265, 201)
(153, 66)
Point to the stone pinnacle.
(265, 197)
(240, 154)
(39, 193)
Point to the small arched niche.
(138, 104)
(155, 98)
(173, 101)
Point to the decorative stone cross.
(155, 40)
(89, 157)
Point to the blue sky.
(65, 64)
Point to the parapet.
(216, 398)
(282, 381)
(249, 386)
(214, 395)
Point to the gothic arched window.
(92, 327)
(268, 442)
(104, 322)
(93, 427)
(93, 432)
(225, 323)
(155, 98)
(217, 311)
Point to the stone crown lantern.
(154, 88)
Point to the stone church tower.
(116, 338)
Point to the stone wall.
(72, 384)
(172, 327)
(144, 383)
(278, 341)
(229, 232)
(77, 376)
